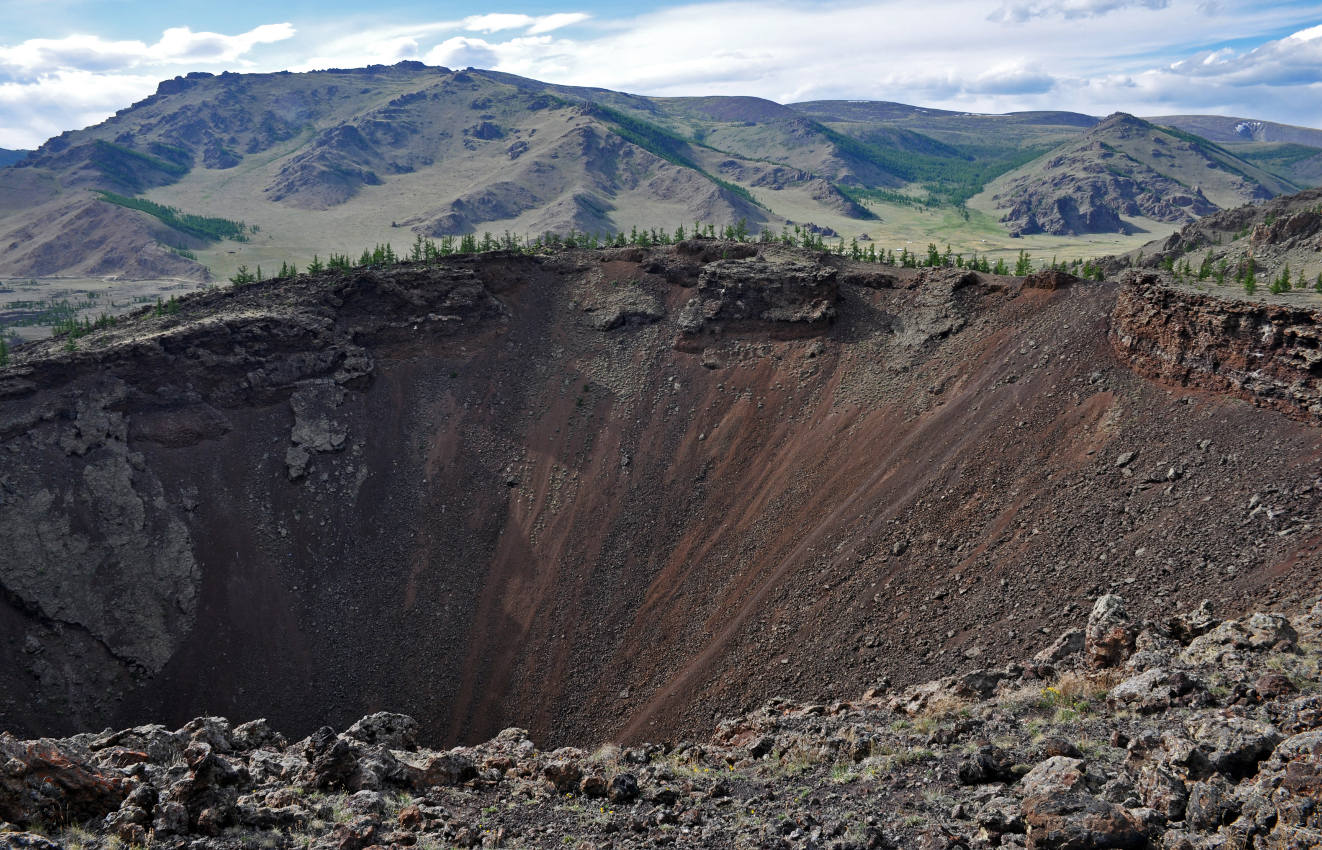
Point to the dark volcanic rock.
(780, 296)
(843, 772)
(1267, 353)
(43, 783)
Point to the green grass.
(949, 179)
(122, 164)
(1279, 159)
(1212, 147)
(659, 141)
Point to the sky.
(66, 64)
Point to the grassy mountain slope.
(1015, 129)
(1300, 164)
(333, 160)
(1228, 130)
(8, 157)
(336, 160)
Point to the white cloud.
(38, 56)
(1293, 60)
(1069, 9)
(550, 23)
(1012, 79)
(1129, 58)
(367, 46)
(1142, 56)
(499, 21)
(33, 112)
(461, 52)
(496, 22)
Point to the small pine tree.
(1000, 267)
(1281, 283)
(4, 352)
(316, 266)
(1024, 264)
(1250, 279)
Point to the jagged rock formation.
(1185, 732)
(1285, 231)
(605, 494)
(1269, 354)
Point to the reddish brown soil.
(631, 533)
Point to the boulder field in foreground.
(1190, 733)
(620, 494)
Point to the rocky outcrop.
(48, 783)
(1126, 167)
(1080, 201)
(1051, 280)
(786, 297)
(1286, 230)
(1033, 756)
(1269, 354)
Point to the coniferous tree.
(1281, 283)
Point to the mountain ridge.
(331, 161)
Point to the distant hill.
(1223, 130)
(337, 160)
(1292, 152)
(1125, 169)
(8, 157)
